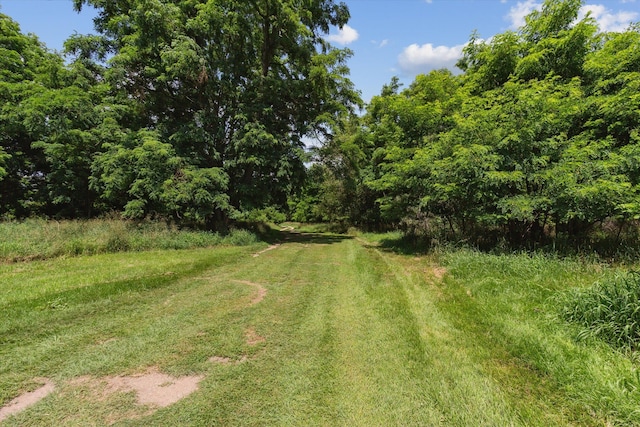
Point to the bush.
(609, 310)
(240, 238)
(268, 214)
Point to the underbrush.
(610, 239)
(41, 239)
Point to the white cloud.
(381, 44)
(518, 12)
(606, 19)
(344, 36)
(416, 59)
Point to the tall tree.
(232, 86)
(538, 138)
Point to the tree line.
(189, 110)
(538, 139)
(197, 111)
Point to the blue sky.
(388, 37)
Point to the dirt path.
(261, 291)
(270, 248)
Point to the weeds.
(40, 239)
(609, 310)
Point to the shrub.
(609, 310)
(268, 214)
(240, 238)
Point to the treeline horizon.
(200, 112)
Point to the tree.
(232, 86)
(398, 125)
(26, 70)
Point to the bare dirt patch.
(227, 360)
(439, 272)
(252, 338)
(156, 388)
(261, 291)
(270, 248)
(25, 400)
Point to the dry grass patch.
(252, 338)
(261, 291)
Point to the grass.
(354, 333)
(510, 303)
(609, 310)
(40, 239)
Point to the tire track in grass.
(27, 399)
(261, 291)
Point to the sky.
(388, 38)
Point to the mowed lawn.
(320, 330)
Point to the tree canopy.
(537, 139)
(192, 109)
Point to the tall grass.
(41, 239)
(512, 301)
(609, 310)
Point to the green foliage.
(3, 159)
(270, 214)
(27, 69)
(536, 143)
(195, 196)
(609, 310)
(232, 86)
(193, 110)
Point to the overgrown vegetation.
(609, 310)
(535, 144)
(510, 304)
(40, 239)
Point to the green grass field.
(322, 329)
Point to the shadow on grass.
(618, 252)
(310, 238)
(406, 245)
(269, 234)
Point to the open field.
(320, 329)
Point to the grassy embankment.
(348, 333)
